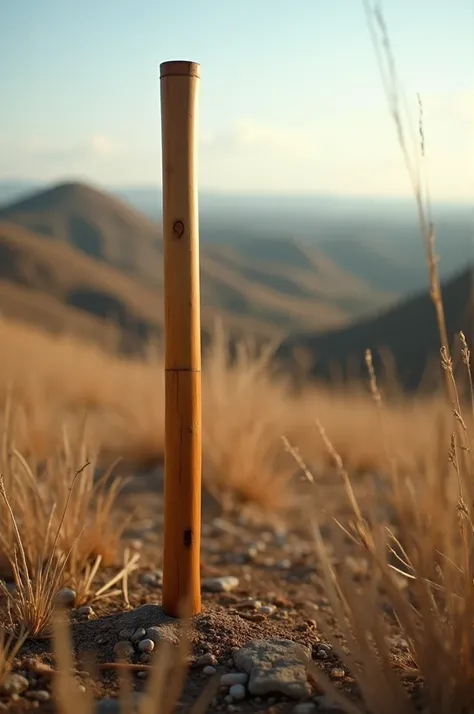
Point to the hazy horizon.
(290, 101)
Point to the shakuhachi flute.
(183, 450)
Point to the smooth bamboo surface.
(183, 449)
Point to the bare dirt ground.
(278, 595)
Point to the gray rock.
(209, 671)
(231, 678)
(138, 635)
(275, 666)
(224, 584)
(14, 684)
(146, 646)
(127, 633)
(206, 659)
(237, 692)
(158, 633)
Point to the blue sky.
(290, 96)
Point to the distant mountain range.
(73, 258)
(404, 340)
(76, 247)
(376, 240)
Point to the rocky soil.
(258, 629)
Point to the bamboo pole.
(182, 529)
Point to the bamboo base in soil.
(181, 566)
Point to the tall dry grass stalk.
(422, 534)
(432, 547)
(415, 165)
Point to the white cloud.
(248, 135)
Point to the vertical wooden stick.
(182, 532)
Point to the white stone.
(224, 584)
(146, 645)
(231, 678)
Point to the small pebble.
(224, 584)
(250, 602)
(85, 611)
(154, 579)
(138, 635)
(228, 699)
(231, 678)
(14, 684)
(267, 609)
(232, 709)
(323, 647)
(127, 633)
(66, 597)
(337, 673)
(39, 668)
(209, 671)
(206, 659)
(237, 692)
(41, 695)
(146, 646)
(142, 675)
(123, 650)
(304, 708)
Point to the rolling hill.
(88, 254)
(406, 332)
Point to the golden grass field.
(65, 402)
(56, 382)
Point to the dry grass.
(59, 385)
(432, 546)
(10, 645)
(430, 542)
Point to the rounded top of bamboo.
(179, 68)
